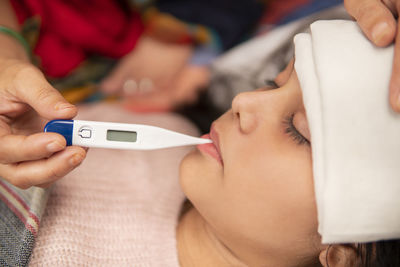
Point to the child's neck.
(198, 245)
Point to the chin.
(198, 177)
(187, 170)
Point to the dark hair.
(379, 254)
(376, 254)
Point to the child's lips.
(212, 148)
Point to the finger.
(48, 184)
(375, 19)
(33, 89)
(44, 171)
(17, 148)
(114, 81)
(394, 91)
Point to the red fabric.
(277, 9)
(71, 30)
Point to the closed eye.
(292, 131)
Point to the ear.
(338, 256)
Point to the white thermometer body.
(119, 135)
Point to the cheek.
(263, 194)
(266, 195)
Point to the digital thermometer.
(119, 135)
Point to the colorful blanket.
(76, 43)
(20, 213)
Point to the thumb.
(33, 89)
(375, 19)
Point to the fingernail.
(63, 105)
(75, 159)
(54, 146)
(380, 31)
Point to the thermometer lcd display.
(121, 136)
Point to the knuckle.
(365, 10)
(55, 173)
(42, 94)
(370, 16)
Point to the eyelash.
(293, 132)
(288, 122)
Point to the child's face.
(262, 196)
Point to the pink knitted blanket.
(119, 208)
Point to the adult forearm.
(10, 48)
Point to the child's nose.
(244, 108)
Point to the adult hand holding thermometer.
(119, 135)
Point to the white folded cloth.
(355, 136)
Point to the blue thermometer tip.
(63, 127)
